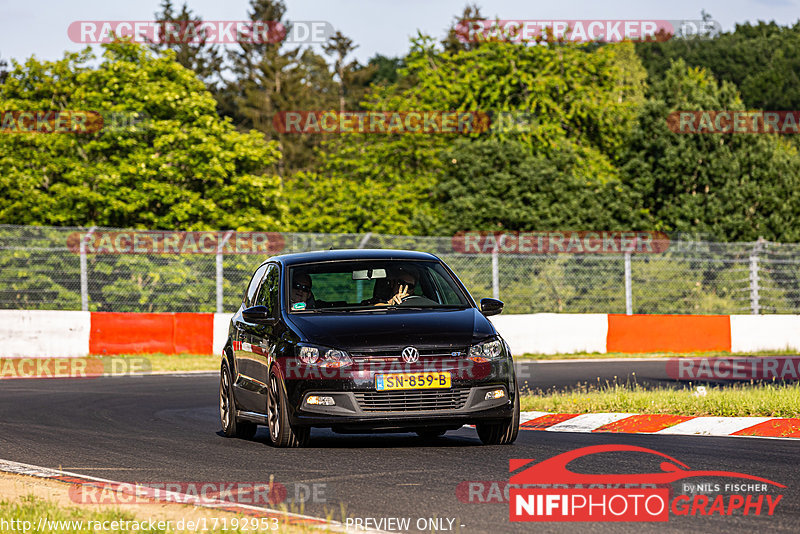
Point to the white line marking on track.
(588, 422)
(19, 468)
(714, 426)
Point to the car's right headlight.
(323, 356)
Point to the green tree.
(272, 77)
(385, 69)
(202, 57)
(732, 186)
(494, 184)
(760, 59)
(183, 168)
(581, 104)
(3, 71)
(457, 39)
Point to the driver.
(301, 295)
(404, 284)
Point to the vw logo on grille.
(410, 355)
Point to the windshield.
(373, 285)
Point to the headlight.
(308, 354)
(489, 350)
(323, 356)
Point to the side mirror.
(491, 306)
(258, 315)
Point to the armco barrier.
(553, 333)
(668, 333)
(44, 333)
(170, 333)
(71, 333)
(765, 332)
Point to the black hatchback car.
(365, 341)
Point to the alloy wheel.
(274, 408)
(224, 400)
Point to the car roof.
(351, 254)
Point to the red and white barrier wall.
(73, 333)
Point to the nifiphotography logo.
(549, 491)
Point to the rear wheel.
(231, 427)
(280, 431)
(503, 433)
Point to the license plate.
(412, 381)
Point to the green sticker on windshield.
(299, 306)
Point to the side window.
(269, 294)
(445, 293)
(249, 297)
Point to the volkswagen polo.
(364, 341)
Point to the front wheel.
(280, 431)
(503, 433)
(231, 427)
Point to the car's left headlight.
(488, 350)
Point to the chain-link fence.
(43, 268)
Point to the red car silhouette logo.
(554, 470)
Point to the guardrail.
(47, 333)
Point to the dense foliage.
(589, 148)
(181, 167)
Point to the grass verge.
(165, 362)
(30, 513)
(604, 355)
(25, 513)
(750, 399)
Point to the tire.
(281, 432)
(503, 433)
(231, 426)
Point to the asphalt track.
(543, 375)
(165, 428)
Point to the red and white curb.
(683, 425)
(136, 490)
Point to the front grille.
(412, 400)
(372, 355)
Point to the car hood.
(393, 328)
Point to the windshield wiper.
(432, 307)
(347, 308)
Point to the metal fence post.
(220, 273)
(495, 274)
(755, 306)
(85, 271)
(628, 289)
(365, 240)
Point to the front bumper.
(359, 404)
(352, 409)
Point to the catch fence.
(58, 268)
